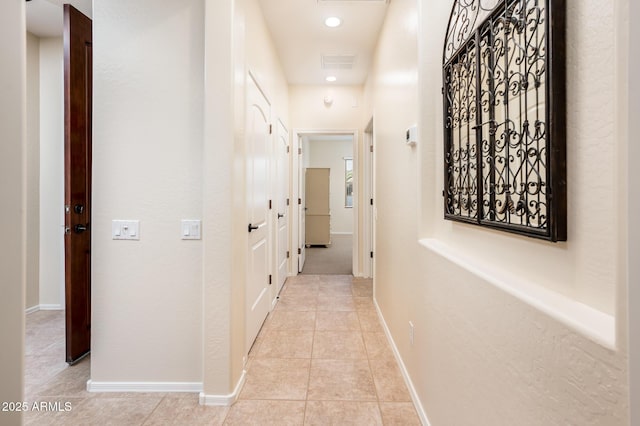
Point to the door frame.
(368, 214)
(275, 191)
(628, 90)
(358, 249)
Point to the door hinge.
(270, 129)
(270, 205)
(299, 201)
(370, 148)
(371, 201)
(288, 149)
(299, 151)
(299, 251)
(269, 279)
(288, 254)
(287, 201)
(371, 254)
(443, 192)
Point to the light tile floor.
(321, 358)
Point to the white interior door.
(301, 211)
(282, 207)
(371, 200)
(257, 140)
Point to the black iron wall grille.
(504, 116)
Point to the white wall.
(12, 214)
(237, 42)
(330, 154)
(33, 171)
(481, 341)
(629, 11)
(309, 112)
(218, 166)
(51, 173)
(147, 165)
(168, 144)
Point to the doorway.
(78, 95)
(326, 187)
(369, 200)
(59, 166)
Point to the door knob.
(78, 208)
(79, 228)
(251, 227)
(280, 215)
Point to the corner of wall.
(13, 264)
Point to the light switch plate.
(125, 229)
(191, 229)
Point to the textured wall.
(51, 172)
(12, 214)
(629, 11)
(33, 170)
(236, 42)
(147, 156)
(309, 112)
(218, 166)
(477, 346)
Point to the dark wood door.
(78, 81)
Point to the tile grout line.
(146, 419)
(375, 388)
(313, 339)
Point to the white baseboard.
(93, 386)
(224, 400)
(32, 309)
(403, 369)
(43, 307)
(57, 307)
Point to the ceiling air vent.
(338, 62)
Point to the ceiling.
(301, 38)
(44, 17)
(309, 51)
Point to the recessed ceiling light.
(331, 78)
(333, 21)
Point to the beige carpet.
(332, 260)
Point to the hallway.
(515, 330)
(335, 259)
(321, 358)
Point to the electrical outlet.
(411, 333)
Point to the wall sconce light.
(328, 100)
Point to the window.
(348, 182)
(504, 116)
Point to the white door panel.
(258, 149)
(282, 208)
(301, 212)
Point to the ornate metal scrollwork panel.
(504, 116)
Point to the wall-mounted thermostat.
(412, 135)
